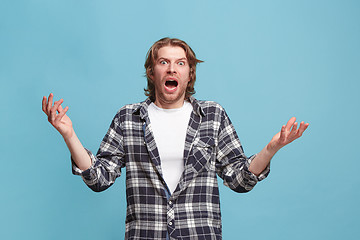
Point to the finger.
(62, 113)
(290, 123)
(59, 109)
(54, 109)
(49, 103)
(282, 133)
(52, 114)
(294, 128)
(44, 104)
(57, 104)
(302, 128)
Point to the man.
(173, 147)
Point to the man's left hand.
(288, 133)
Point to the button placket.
(170, 216)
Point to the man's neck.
(169, 105)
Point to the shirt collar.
(197, 107)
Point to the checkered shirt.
(212, 148)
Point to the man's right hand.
(57, 116)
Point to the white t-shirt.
(169, 127)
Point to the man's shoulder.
(209, 106)
(129, 109)
(208, 103)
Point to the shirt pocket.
(204, 152)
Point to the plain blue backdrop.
(265, 61)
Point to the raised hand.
(288, 133)
(57, 116)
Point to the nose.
(171, 68)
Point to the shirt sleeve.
(106, 165)
(232, 165)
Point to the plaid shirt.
(192, 212)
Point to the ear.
(150, 74)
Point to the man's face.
(170, 76)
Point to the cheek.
(186, 73)
(155, 74)
(160, 71)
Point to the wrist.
(69, 136)
(271, 149)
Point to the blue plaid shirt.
(212, 148)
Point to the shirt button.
(170, 223)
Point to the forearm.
(62, 123)
(288, 133)
(78, 152)
(262, 160)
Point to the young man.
(173, 147)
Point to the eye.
(181, 63)
(163, 62)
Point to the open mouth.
(171, 84)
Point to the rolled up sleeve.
(232, 164)
(106, 165)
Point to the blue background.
(265, 61)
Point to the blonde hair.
(151, 57)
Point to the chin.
(171, 98)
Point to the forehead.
(171, 52)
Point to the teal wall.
(265, 61)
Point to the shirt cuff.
(262, 175)
(84, 173)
